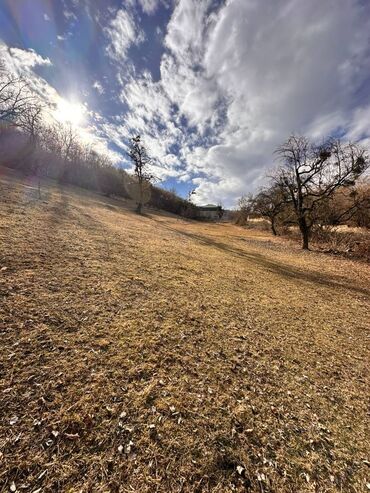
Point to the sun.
(70, 112)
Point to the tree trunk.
(305, 232)
(273, 229)
(140, 203)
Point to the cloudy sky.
(212, 85)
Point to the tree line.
(314, 185)
(41, 148)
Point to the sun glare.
(70, 112)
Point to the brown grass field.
(154, 354)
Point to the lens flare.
(70, 112)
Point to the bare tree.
(142, 162)
(69, 141)
(30, 122)
(245, 209)
(220, 210)
(310, 174)
(14, 95)
(269, 203)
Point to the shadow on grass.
(60, 210)
(284, 270)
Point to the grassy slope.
(218, 347)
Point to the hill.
(154, 354)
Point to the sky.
(213, 86)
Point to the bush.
(259, 224)
(354, 242)
(170, 202)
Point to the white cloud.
(359, 126)
(63, 37)
(122, 33)
(147, 98)
(149, 6)
(186, 30)
(69, 15)
(253, 72)
(46, 17)
(99, 88)
(20, 60)
(195, 96)
(284, 67)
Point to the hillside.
(154, 354)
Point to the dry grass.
(342, 240)
(151, 354)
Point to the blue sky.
(212, 85)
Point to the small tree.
(30, 122)
(68, 139)
(220, 211)
(142, 162)
(269, 203)
(245, 209)
(310, 174)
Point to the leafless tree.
(309, 174)
(220, 210)
(269, 203)
(30, 121)
(142, 162)
(245, 209)
(69, 139)
(14, 95)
